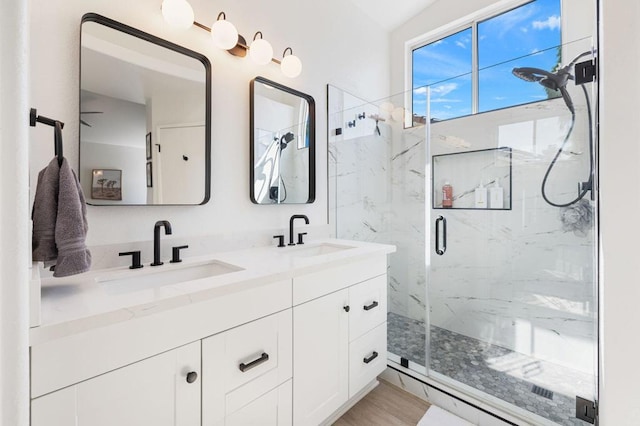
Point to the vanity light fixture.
(224, 33)
(260, 50)
(179, 14)
(291, 65)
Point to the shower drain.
(545, 393)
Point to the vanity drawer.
(243, 363)
(317, 284)
(368, 302)
(274, 408)
(367, 358)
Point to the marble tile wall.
(520, 278)
(377, 187)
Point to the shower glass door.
(511, 287)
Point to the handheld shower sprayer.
(285, 139)
(554, 81)
(558, 81)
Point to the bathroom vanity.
(268, 336)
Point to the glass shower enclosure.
(493, 288)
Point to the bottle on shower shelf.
(447, 195)
(496, 195)
(481, 197)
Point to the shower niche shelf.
(465, 171)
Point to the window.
(479, 59)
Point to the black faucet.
(294, 217)
(156, 240)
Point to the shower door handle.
(440, 250)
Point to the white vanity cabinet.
(339, 338)
(321, 353)
(295, 346)
(163, 390)
(242, 370)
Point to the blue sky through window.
(529, 35)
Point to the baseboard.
(350, 403)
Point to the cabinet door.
(154, 391)
(243, 363)
(320, 351)
(271, 409)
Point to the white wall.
(115, 140)
(619, 207)
(336, 43)
(14, 236)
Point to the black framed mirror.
(145, 118)
(282, 144)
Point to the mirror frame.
(108, 22)
(312, 138)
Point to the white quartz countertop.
(82, 302)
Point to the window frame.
(469, 21)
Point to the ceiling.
(391, 14)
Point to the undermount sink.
(316, 250)
(135, 280)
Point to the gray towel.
(60, 221)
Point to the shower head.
(554, 81)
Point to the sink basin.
(134, 280)
(317, 250)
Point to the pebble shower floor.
(538, 386)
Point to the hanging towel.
(60, 221)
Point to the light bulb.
(261, 51)
(291, 66)
(398, 114)
(224, 34)
(177, 13)
(386, 108)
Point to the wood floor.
(386, 405)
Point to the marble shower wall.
(522, 278)
(377, 192)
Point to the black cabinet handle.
(371, 306)
(135, 258)
(346, 308)
(256, 362)
(440, 251)
(175, 258)
(373, 356)
(192, 377)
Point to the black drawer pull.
(371, 306)
(263, 358)
(373, 356)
